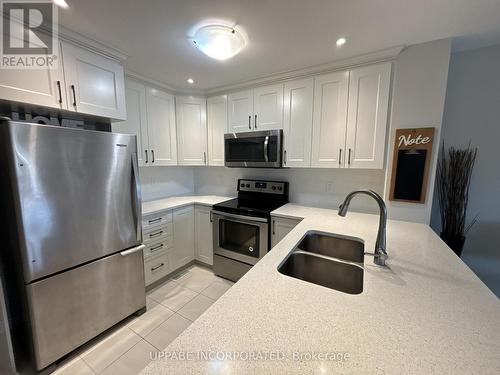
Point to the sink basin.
(345, 277)
(345, 248)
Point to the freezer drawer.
(72, 307)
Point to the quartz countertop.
(154, 206)
(426, 312)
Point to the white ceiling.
(283, 34)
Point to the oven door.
(239, 237)
(253, 149)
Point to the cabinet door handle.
(158, 266)
(274, 227)
(204, 157)
(255, 122)
(153, 249)
(153, 235)
(154, 220)
(153, 156)
(146, 152)
(349, 158)
(211, 217)
(59, 90)
(284, 157)
(250, 122)
(340, 157)
(74, 95)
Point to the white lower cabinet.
(183, 249)
(281, 227)
(157, 266)
(203, 232)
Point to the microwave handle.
(266, 149)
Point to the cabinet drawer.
(157, 219)
(156, 267)
(157, 234)
(158, 247)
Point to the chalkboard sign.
(411, 162)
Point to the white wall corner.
(418, 97)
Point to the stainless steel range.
(241, 232)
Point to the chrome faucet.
(380, 254)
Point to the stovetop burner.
(256, 198)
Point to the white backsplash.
(308, 186)
(163, 182)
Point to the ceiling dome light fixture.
(341, 41)
(219, 41)
(190, 81)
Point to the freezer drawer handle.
(153, 235)
(154, 220)
(132, 250)
(153, 249)
(158, 266)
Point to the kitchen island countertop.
(427, 312)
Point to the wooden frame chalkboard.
(410, 164)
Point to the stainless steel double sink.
(327, 259)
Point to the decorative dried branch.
(454, 173)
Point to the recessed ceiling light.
(61, 3)
(341, 42)
(190, 81)
(218, 41)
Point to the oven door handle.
(266, 148)
(241, 217)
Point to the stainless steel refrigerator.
(72, 202)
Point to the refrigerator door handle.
(137, 197)
(132, 250)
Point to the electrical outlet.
(329, 187)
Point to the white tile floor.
(171, 308)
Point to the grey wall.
(472, 112)
(418, 96)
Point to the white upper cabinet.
(217, 126)
(254, 110)
(240, 111)
(329, 120)
(94, 83)
(191, 117)
(297, 122)
(367, 117)
(44, 87)
(136, 123)
(268, 107)
(161, 128)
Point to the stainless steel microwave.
(261, 149)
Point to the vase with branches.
(453, 177)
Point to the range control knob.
(242, 185)
(274, 187)
(248, 185)
(280, 188)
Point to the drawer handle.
(153, 235)
(154, 220)
(158, 266)
(153, 249)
